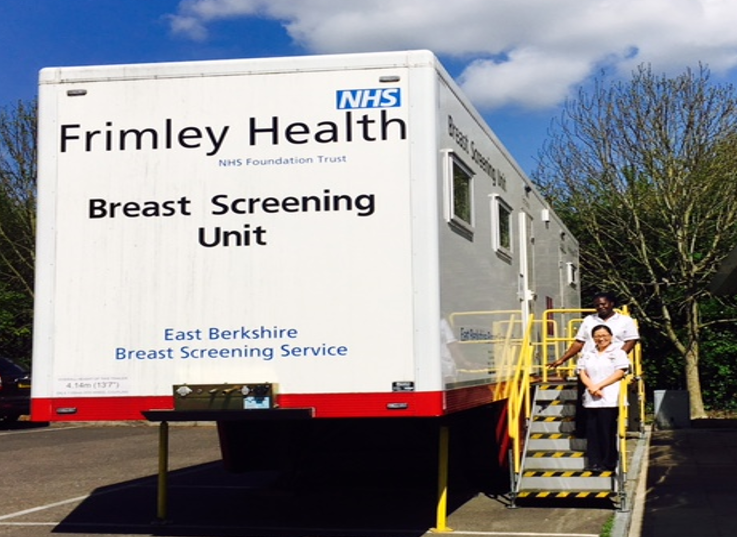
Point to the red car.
(15, 390)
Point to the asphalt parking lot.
(92, 480)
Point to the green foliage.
(718, 367)
(644, 173)
(663, 365)
(606, 529)
(18, 195)
(16, 316)
(17, 228)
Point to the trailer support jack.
(442, 508)
(162, 492)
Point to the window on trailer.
(460, 190)
(501, 226)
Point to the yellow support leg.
(162, 497)
(442, 509)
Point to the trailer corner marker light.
(76, 92)
(397, 406)
(387, 79)
(66, 410)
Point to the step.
(556, 386)
(555, 408)
(552, 424)
(555, 442)
(561, 385)
(579, 480)
(555, 460)
(609, 494)
(562, 394)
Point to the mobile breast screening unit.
(280, 243)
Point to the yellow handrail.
(622, 423)
(552, 341)
(640, 383)
(519, 402)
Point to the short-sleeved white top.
(623, 329)
(600, 366)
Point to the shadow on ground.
(13, 425)
(207, 500)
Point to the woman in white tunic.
(602, 370)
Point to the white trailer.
(344, 228)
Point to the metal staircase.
(553, 459)
(545, 459)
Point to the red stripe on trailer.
(96, 408)
(342, 405)
(472, 397)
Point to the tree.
(16, 318)
(17, 225)
(645, 173)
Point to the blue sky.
(517, 60)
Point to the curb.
(629, 523)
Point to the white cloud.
(193, 15)
(528, 53)
(530, 78)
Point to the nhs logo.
(368, 98)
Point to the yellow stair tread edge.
(547, 386)
(556, 454)
(566, 494)
(552, 436)
(567, 473)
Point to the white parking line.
(82, 498)
(29, 524)
(523, 534)
(41, 430)
(42, 507)
(313, 530)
